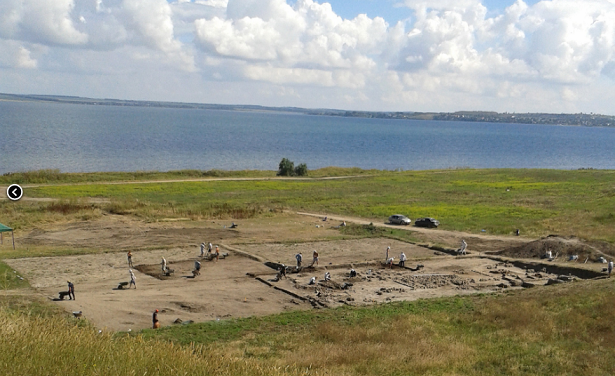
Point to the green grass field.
(9, 279)
(555, 330)
(538, 202)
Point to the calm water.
(76, 138)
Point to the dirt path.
(452, 238)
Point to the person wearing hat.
(155, 322)
(71, 291)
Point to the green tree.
(286, 168)
(301, 170)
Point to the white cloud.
(558, 54)
(40, 20)
(152, 21)
(307, 36)
(15, 55)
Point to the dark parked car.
(427, 222)
(398, 219)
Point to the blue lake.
(83, 138)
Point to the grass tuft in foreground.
(555, 330)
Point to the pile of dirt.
(563, 247)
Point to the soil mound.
(564, 247)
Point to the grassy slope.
(565, 330)
(556, 330)
(539, 202)
(9, 279)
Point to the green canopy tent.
(4, 229)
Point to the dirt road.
(451, 238)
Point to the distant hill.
(581, 119)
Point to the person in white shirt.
(163, 264)
(610, 267)
(402, 259)
(202, 249)
(133, 279)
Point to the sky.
(378, 55)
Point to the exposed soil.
(241, 285)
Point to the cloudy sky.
(401, 55)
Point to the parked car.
(427, 222)
(398, 219)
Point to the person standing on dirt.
(217, 253)
(133, 279)
(209, 248)
(610, 267)
(464, 245)
(299, 258)
(387, 253)
(155, 322)
(197, 267)
(129, 255)
(402, 259)
(314, 257)
(202, 249)
(71, 291)
(163, 264)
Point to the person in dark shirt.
(129, 255)
(155, 322)
(71, 291)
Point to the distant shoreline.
(580, 119)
